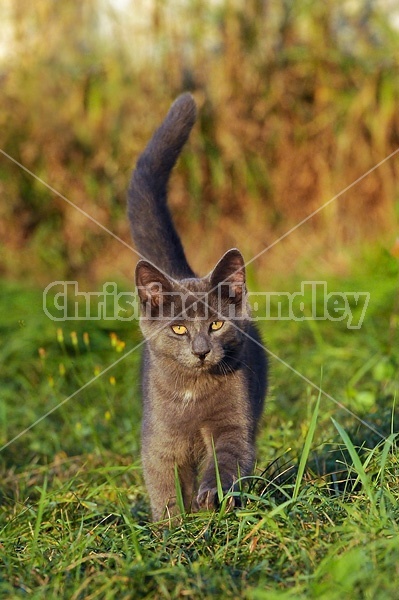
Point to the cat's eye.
(216, 325)
(179, 329)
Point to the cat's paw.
(208, 499)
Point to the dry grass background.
(297, 100)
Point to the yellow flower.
(120, 346)
(114, 339)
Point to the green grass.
(320, 520)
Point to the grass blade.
(217, 474)
(306, 449)
(179, 493)
(357, 463)
(40, 510)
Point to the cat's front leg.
(234, 456)
(160, 482)
(160, 470)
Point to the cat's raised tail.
(151, 224)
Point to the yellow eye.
(179, 329)
(215, 325)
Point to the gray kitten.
(204, 369)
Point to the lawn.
(319, 520)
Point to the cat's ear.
(229, 275)
(152, 285)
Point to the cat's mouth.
(202, 363)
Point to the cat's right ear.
(153, 287)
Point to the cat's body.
(204, 368)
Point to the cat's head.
(199, 323)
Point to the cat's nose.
(200, 346)
(201, 355)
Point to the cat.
(204, 372)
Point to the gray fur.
(204, 389)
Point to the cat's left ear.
(229, 274)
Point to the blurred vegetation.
(297, 100)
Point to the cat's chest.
(188, 395)
(190, 400)
(186, 401)
(193, 400)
